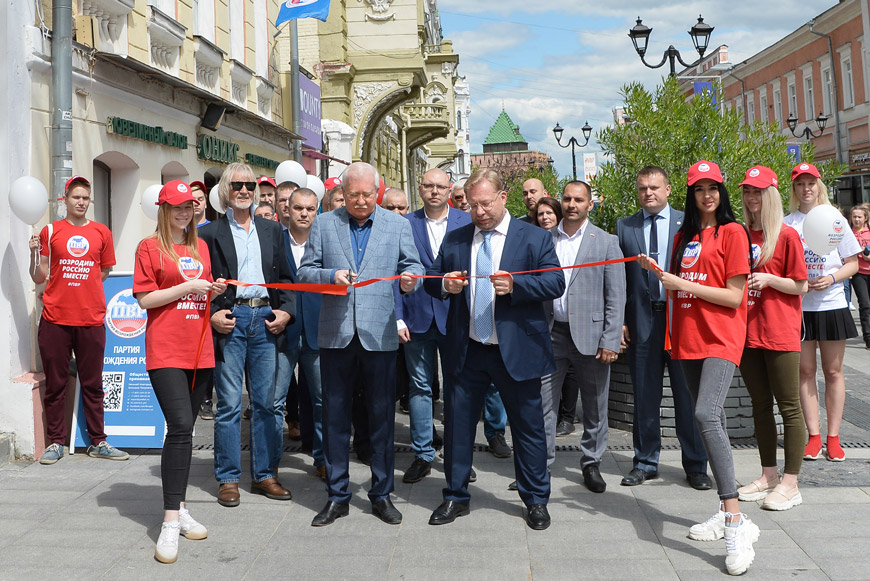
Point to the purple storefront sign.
(309, 107)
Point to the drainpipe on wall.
(407, 122)
(61, 100)
(836, 104)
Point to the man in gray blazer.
(586, 324)
(357, 332)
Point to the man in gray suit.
(586, 327)
(357, 332)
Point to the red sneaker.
(833, 451)
(814, 447)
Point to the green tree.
(548, 176)
(667, 130)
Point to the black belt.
(659, 306)
(252, 302)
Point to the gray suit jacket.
(370, 311)
(596, 295)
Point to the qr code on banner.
(113, 391)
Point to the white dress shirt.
(566, 249)
(663, 229)
(436, 230)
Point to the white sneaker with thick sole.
(756, 490)
(738, 544)
(190, 529)
(782, 499)
(167, 542)
(711, 529)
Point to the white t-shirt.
(832, 297)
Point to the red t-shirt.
(74, 294)
(700, 329)
(774, 316)
(863, 237)
(173, 330)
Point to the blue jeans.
(248, 342)
(309, 362)
(494, 414)
(420, 355)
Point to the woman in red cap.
(827, 322)
(172, 281)
(707, 280)
(773, 343)
(859, 217)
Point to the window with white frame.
(848, 85)
(203, 19)
(750, 108)
(827, 90)
(237, 30)
(792, 98)
(764, 115)
(261, 32)
(167, 7)
(777, 106)
(809, 98)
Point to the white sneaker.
(190, 529)
(711, 529)
(738, 544)
(167, 543)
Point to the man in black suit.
(651, 231)
(249, 324)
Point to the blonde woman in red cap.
(172, 281)
(827, 322)
(707, 280)
(773, 343)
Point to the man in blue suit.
(357, 332)
(296, 211)
(651, 231)
(424, 318)
(497, 333)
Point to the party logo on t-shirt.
(838, 226)
(77, 246)
(124, 317)
(190, 268)
(755, 252)
(691, 254)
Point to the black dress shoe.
(637, 476)
(513, 486)
(537, 517)
(564, 428)
(330, 512)
(448, 512)
(418, 471)
(592, 478)
(437, 440)
(384, 510)
(473, 476)
(699, 481)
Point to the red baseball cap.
(267, 180)
(198, 184)
(760, 177)
(175, 193)
(704, 170)
(803, 168)
(74, 180)
(331, 183)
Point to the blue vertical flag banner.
(130, 408)
(795, 152)
(292, 9)
(705, 88)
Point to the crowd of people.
(523, 331)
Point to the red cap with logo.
(704, 170)
(331, 183)
(267, 180)
(803, 168)
(175, 193)
(75, 180)
(198, 184)
(760, 177)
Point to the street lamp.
(700, 34)
(587, 133)
(807, 133)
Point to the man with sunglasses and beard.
(249, 324)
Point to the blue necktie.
(655, 292)
(483, 291)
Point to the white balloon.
(315, 185)
(824, 229)
(149, 200)
(28, 199)
(291, 171)
(215, 200)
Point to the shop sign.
(214, 149)
(260, 161)
(860, 160)
(309, 113)
(127, 128)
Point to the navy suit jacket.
(418, 310)
(520, 320)
(638, 308)
(307, 309)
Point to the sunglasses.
(237, 186)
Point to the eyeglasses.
(237, 186)
(487, 206)
(430, 187)
(358, 195)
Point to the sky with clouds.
(565, 60)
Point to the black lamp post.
(807, 133)
(587, 133)
(700, 34)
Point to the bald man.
(395, 200)
(533, 190)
